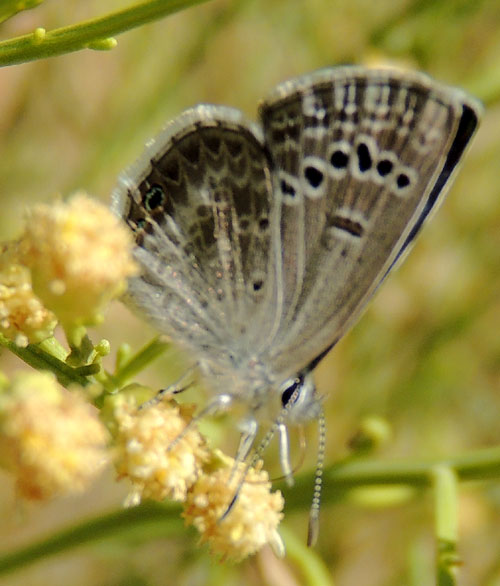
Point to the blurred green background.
(425, 356)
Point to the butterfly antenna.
(250, 464)
(313, 528)
(266, 440)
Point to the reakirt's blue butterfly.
(260, 244)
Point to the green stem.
(150, 519)
(54, 348)
(40, 359)
(9, 8)
(446, 525)
(139, 361)
(96, 33)
(313, 569)
(82, 349)
(346, 475)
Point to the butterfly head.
(299, 399)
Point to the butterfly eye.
(290, 392)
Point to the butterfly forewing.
(199, 204)
(359, 158)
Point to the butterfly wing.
(360, 158)
(199, 204)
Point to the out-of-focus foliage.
(426, 355)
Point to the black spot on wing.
(347, 225)
(384, 167)
(364, 157)
(313, 176)
(402, 181)
(339, 159)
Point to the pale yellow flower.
(156, 466)
(79, 255)
(250, 524)
(23, 318)
(51, 439)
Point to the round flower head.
(23, 318)
(51, 440)
(252, 521)
(79, 255)
(149, 452)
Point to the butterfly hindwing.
(359, 159)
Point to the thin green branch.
(312, 567)
(40, 359)
(96, 33)
(54, 348)
(139, 361)
(9, 8)
(349, 474)
(446, 525)
(150, 519)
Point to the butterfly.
(260, 243)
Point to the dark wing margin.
(466, 128)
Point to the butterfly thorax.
(264, 396)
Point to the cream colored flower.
(23, 318)
(250, 524)
(51, 440)
(147, 455)
(79, 255)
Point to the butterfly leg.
(173, 389)
(219, 404)
(285, 454)
(248, 428)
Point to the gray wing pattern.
(359, 158)
(266, 243)
(199, 205)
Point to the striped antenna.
(266, 440)
(313, 528)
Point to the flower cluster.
(79, 255)
(23, 317)
(71, 260)
(253, 519)
(51, 440)
(162, 454)
(148, 453)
